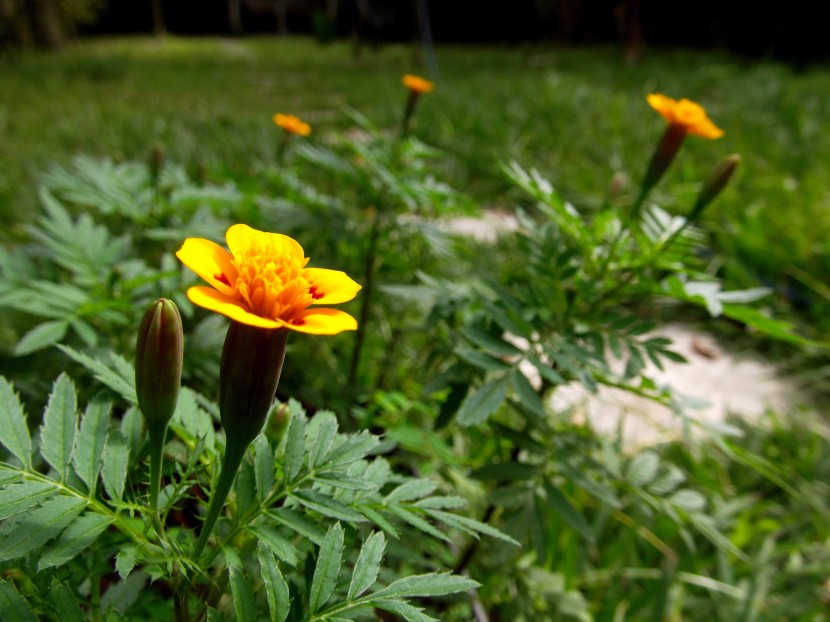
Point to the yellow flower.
(417, 84)
(292, 124)
(685, 114)
(264, 282)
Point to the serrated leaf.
(40, 526)
(126, 559)
(367, 567)
(413, 489)
(244, 605)
(355, 447)
(642, 469)
(378, 519)
(481, 360)
(471, 526)
(321, 434)
(423, 585)
(489, 342)
(345, 482)
(527, 394)
(327, 568)
(20, 497)
(294, 442)
(477, 407)
(562, 505)
(12, 604)
(115, 463)
(327, 506)
(57, 435)
(298, 523)
(15, 435)
(245, 487)
(417, 521)
(103, 372)
(281, 547)
(74, 539)
(64, 602)
(276, 589)
(403, 609)
(41, 336)
(90, 442)
(263, 467)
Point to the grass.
(579, 115)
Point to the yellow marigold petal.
(417, 84)
(685, 113)
(322, 322)
(228, 306)
(292, 124)
(662, 104)
(242, 237)
(210, 261)
(331, 286)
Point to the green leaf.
(299, 523)
(126, 559)
(413, 489)
(281, 547)
(470, 526)
(321, 434)
(42, 525)
(505, 472)
(41, 336)
(115, 463)
(478, 406)
(403, 609)
(105, 373)
(90, 442)
(15, 436)
(327, 506)
(12, 605)
(355, 447)
(263, 467)
(74, 539)
(432, 584)
(57, 434)
(294, 442)
(367, 567)
(20, 497)
(481, 360)
(276, 589)
(562, 505)
(327, 568)
(64, 602)
(642, 469)
(527, 394)
(491, 343)
(244, 605)
(688, 500)
(417, 521)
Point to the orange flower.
(292, 124)
(263, 282)
(417, 84)
(685, 114)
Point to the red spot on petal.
(222, 279)
(316, 295)
(298, 321)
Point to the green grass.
(579, 115)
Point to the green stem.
(157, 432)
(234, 452)
(366, 297)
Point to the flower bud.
(715, 183)
(158, 361)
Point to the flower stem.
(234, 452)
(157, 431)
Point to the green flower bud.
(158, 375)
(715, 183)
(158, 361)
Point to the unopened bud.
(158, 361)
(715, 183)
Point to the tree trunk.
(159, 25)
(44, 17)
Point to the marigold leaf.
(327, 569)
(20, 497)
(90, 442)
(115, 463)
(320, 435)
(74, 539)
(41, 336)
(367, 567)
(64, 602)
(562, 505)
(15, 435)
(477, 407)
(40, 526)
(403, 609)
(263, 467)
(413, 489)
(327, 506)
(12, 604)
(294, 442)
(276, 589)
(103, 372)
(432, 584)
(57, 435)
(281, 547)
(244, 605)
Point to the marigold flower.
(417, 84)
(263, 282)
(292, 124)
(686, 114)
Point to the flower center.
(272, 282)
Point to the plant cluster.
(412, 464)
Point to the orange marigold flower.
(686, 114)
(292, 124)
(264, 282)
(417, 84)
